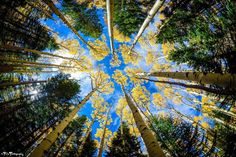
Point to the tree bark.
(80, 149)
(222, 80)
(62, 17)
(207, 89)
(100, 150)
(149, 18)
(51, 138)
(17, 49)
(151, 143)
(9, 84)
(110, 7)
(31, 64)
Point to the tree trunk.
(80, 149)
(149, 18)
(17, 49)
(4, 85)
(151, 143)
(110, 9)
(223, 80)
(100, 150)
(31, 64)
(207, 89)
(51, 138)
(62, 17)
(68, 139)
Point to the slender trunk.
(45, 12)
(223, 80)
(100, 150)
(2, 104)
(110, 9)
(13, 84)
(17, 49)
(151, 143)
(68, 139)
(207, 89)
(35, 64)
(148, 19)
(51, 138)
(62, 17)
(121, 127)
(80, 149)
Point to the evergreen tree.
(128, 16)
(124, 145)
(180, 138)
(203, 38)
(28, 118)
(85, 19)
(89, 148)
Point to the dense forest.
(118, 78)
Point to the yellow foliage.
(100, 4)
(167, 47)
(119, 36)
(100, 50)
(132, 57)
(119, 77)
(205, 125)
(132, 73)
(101, 81)
(162, 16)
(158, 100)
(197, 118)
(150, 58)
(141, 94)
(205, 99)
(122, 103)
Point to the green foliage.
(227, 141)
(180, 138)
(128, 17)
(75, 127)
(85, 19)
(124, 145)
(61, 88)
(25, 30)
(203, 38)
(89, 148)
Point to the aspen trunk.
(4, 85)
(207, 89)
(80, 149)
(62, 17)
(14, 48)
(100, 150)
(51, 138)
(110, 7)
(33, 64)
(67, 141)
(223, 80)
(151, 143)
(148, 19)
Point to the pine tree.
(89, 148)
(124, 145)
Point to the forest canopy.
(117, 78)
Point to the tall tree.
(124, 16)
(150, 141)
(85, 19)
(124, 144)
(181, 138)
(100, 83)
